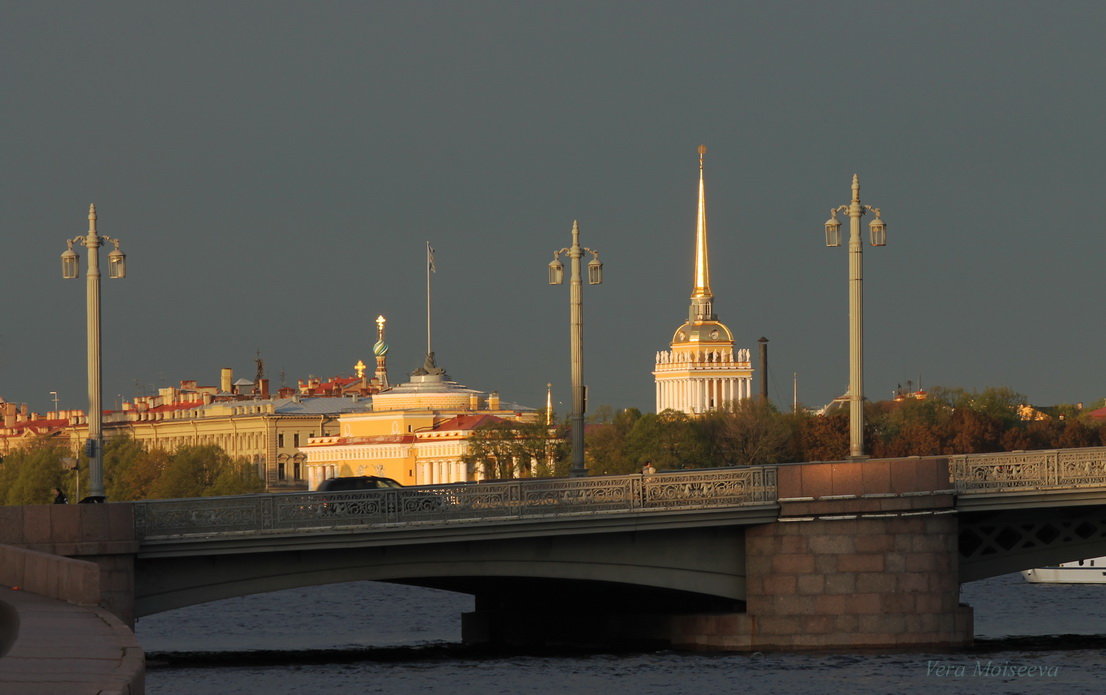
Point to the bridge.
(824, 554)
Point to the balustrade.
(314, 512)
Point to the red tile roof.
(36, 427)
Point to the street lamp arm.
(872, 209)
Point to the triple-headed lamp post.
(575, 302)
(70, 269)
(878, 229)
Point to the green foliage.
(235, 478)
(749, 432)
(670, 440)
(518, 449)
(996, 402)
(28, 476)
(130, 471)
(204, 471)
(605, 449)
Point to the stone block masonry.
(848, 566)
(99, 539)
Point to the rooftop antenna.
(260, 367)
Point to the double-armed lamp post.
(576, 340)
(878, 228)
(70, 270)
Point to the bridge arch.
(702, 566)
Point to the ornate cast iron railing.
(1028, 470)
(310, 512)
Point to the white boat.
(1091, 571)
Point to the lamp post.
(878, 229)
(575, 303)
(70, 269)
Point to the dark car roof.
(359, 482)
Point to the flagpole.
(429, 266)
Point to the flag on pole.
(430, 258)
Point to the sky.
(275, 169)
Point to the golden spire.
(702, 261)
(701, 309)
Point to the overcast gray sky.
(275, 168)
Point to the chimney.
(763, 367)
(263, 386)
(493, 400)
(226, 374)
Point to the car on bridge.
(357, 482)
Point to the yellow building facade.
(265, 431)
(416, 433)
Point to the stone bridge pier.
(864, 555)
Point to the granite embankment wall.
(64, 622)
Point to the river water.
(370, 637)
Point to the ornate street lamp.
(878, 231)
(70, 270)
(575, 302)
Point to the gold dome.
(713, 333)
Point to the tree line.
(753, 431)
(746, 432)
(131, 472)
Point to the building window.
(280, 440)
(296, 470)
(296, 440)
(280, 470)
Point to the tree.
(910, 427)
(748, 432)
(191, 472)
(31, 474)
(235, 477)
(974, 432)
(825, 437)
(507, 449)
(605, 451)
(130, 470)
(670, 440)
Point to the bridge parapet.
(450, 504)
(1028, 471)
